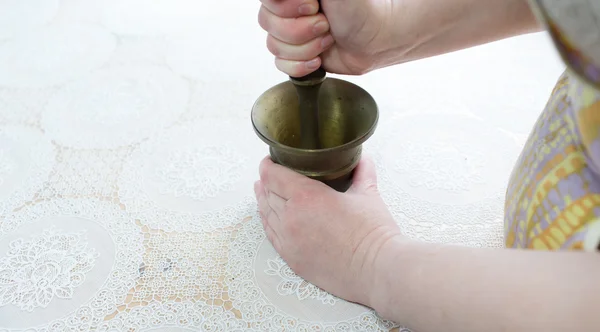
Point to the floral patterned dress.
(553, 197)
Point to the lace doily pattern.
(85, 173)
(173, 317)
(450, 177)
(46, 259)
(292, 284)
(116, 106)
(181, 283)
(48, 265)
(253, 296)
(35, 61)
(193, 177)
(18, 16)
(23, 106)
(26, 160)
(178, 268)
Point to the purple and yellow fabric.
(553, 196)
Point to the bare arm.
(431, 287)
(451, 25)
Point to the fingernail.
(312, 64)
(307, 9)
(320, 27)
(327, 41)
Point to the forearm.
(430, 287)
(450, 25)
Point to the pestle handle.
(307, 89)
(317, 76)
(314, 78)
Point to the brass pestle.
(307, 88)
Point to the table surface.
(127, 160)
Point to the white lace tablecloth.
(127, 160)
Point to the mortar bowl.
(348, 116)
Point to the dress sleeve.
(574, 26)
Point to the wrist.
(397, 34)
(388, 274)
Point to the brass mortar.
(347, 115)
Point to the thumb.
(364, 180)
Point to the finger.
(293, 30)
(276, 203)
(296, 68)
(364, 180)
(261, 198)
(280, 180)
(304, 52)
(292, 8)
(272, 236)
(267, 216)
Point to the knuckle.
(294, 31)
(293, 228)
(288, 67)
(263, 20)
(270, 235)
(261, 204)
(304, 198)
(314, 49)
(263, 221)
(298, 31)
(272, 46)
(264, 173)
(307, 51)
(306, 192)
(292, 220)
(288, 216)
(269, 215)
(299, 69)
(280, 66)
(304, 52)
(284, 8)
(260, 193)
(372, 187)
